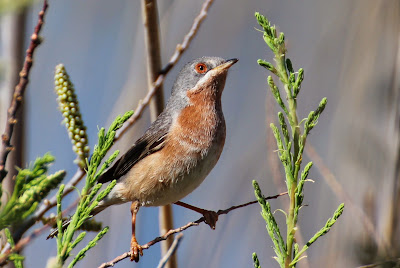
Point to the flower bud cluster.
(69, 107)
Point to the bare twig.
(182, 228)
(180, 48)
(22, 243)
(166, 222)
(171, 251)
(379, 264)
(19, 93)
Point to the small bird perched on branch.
(179, 149)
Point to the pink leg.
(136, 249)
(210, 216)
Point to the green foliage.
(290, 145)
(323, 231)
(90, 196)
(31, 186)
(14, 5)
(91, 244)
(14, 257)
(256, 262)
(272, 226)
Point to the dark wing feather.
(152, 141)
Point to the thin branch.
(153, 59)
(19, 93)
(182, 228)
(392, 262)
(171, 251)
(180, 48)
(22, 243)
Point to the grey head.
(194, 73)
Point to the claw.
(136, 250)
(211, 218)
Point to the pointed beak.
(226, 65)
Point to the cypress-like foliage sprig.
(90, 195)
(32, 185)
(291, 143)
(91, 244)
(14, 257)
(256, 262)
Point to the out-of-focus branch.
(13, 40)
(153, 54)
(171, 251)
(182, 228)
(391, 231)
(19, 93)
(392, 263)
(22, 243)
(337, 188)
(153, 59)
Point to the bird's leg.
(136, 249)
(211, 217)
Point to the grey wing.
(152, 141)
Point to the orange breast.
(192, 148)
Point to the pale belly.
(155, 184)
(186, 182)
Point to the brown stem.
(153, 58)
(19, 93)
(171, 251)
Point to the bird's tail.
(65, 224)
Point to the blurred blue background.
(350, 53)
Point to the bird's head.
(206, 73)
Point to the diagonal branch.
(19, 93)
(171, 251)
(182, 228)
(21, 244)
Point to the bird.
(178, 150)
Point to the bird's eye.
(201, 68)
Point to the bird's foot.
(211, 218)
(136, 249)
